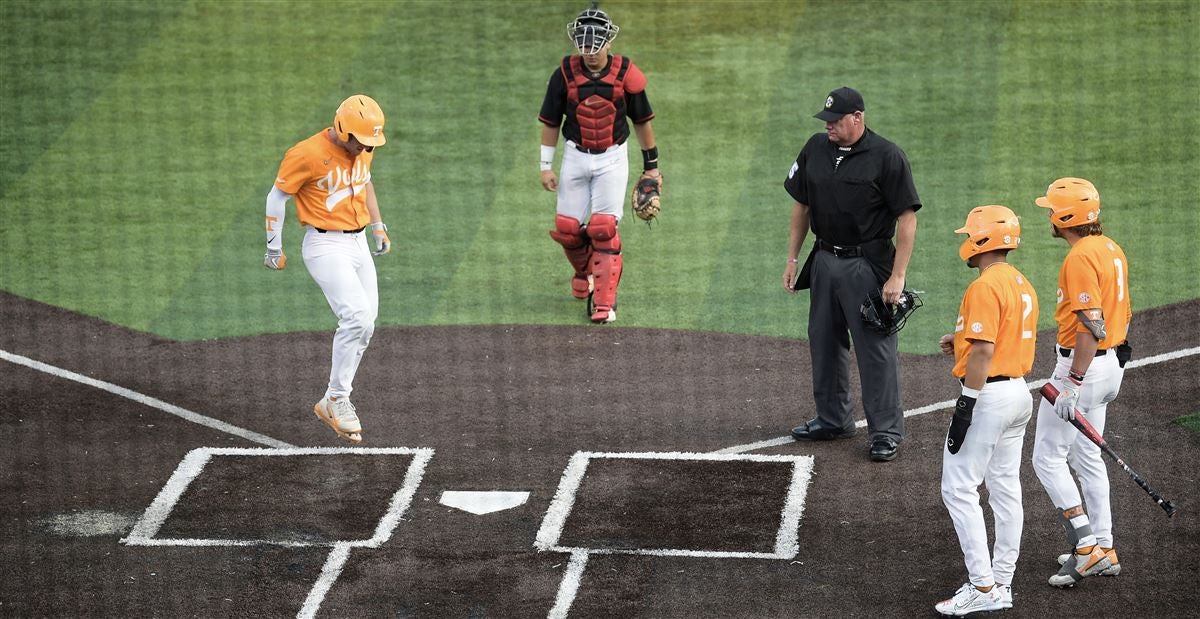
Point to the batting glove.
(964, 409)
(382, 243)
(1068, 397)
(274, 260)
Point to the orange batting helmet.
(1072, 202)
(989, 228)
(361, 117)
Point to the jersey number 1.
(1120, 279)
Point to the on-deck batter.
(993, 346)
(1093, 312)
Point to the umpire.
(855, 190)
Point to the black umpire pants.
(838, 288)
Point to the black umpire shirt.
(855, 193)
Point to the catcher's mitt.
(646, 198)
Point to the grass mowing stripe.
(908, 109)
(988, 99)
(718, 91)
(524, 271)
(166, 155)
(59, 41)
(1070, 107)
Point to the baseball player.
(595, 92)
(993, 346)
(329, 174)
(1093, 314)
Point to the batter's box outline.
(147, 527)
(787, 543)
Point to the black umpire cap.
(844, 100)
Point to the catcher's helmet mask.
(592, 30)
(886, 319)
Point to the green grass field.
(140, 138)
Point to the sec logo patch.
(977, 327)
(1084, 297)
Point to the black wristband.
(650, 158)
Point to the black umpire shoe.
(816, 431)
(883, 449)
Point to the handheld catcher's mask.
(887, 319)
(592, 30)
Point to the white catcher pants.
(991, 454)
(1058, 444)
(342, 266)
(590, 184)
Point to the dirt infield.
(504, 408)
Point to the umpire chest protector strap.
(596, 103)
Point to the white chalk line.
(156, 514)
(949, 404)
(170, 409)
(560, 505)
(787, 543)
(194, 462)
(787, 540)
(329, 574)
(383, 531)
(569, 585)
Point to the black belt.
(1066, 352)
(342, 231)
(841, 251)
(593, 151)
(990, 379)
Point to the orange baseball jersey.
(329, 185)
(1001, 307)
(1095, 274)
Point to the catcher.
(596, 92)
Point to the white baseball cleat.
(1078, 566)
(340, 415)
(1111, 570)
(1005, 595)
(969, 600)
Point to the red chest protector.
(597, 104)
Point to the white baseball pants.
(1058, 444)
(590, 184)
(991, 453)
(342, 266)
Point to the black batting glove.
(963, 409)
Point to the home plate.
(482, 502)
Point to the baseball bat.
(1050, 392)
